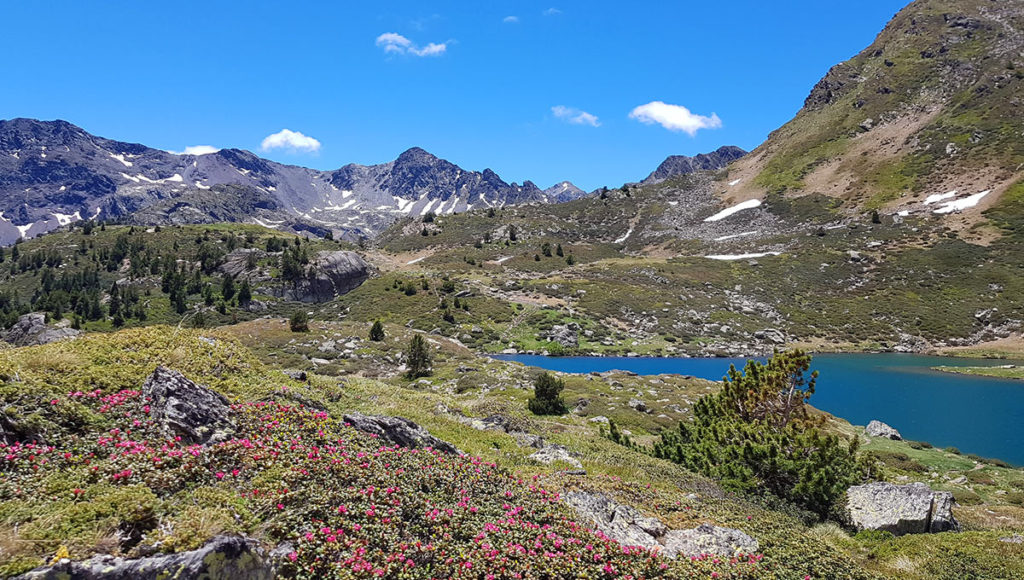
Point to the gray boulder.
(710, 540)
(566, 335)
(399, 431)
(331, 274)
(629, 527)
(621, 523)
(900, 509)
(880, 429)
(551, 453)
(193, 412)
(639, 405)
(223, 558)
(32, 330)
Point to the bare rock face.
(331, 274)
(901, 509)
(399, 431)
(621, 523)
(31, 330)
(185, 409)
(880, 429)
(708, 539)
(551, 453)
(223, 558)
(566, 335)
(629, 527)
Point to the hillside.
(931, 108)
(291, 475)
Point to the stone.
(566, 335)
(399, 431)
(1014, 539)
(31, 330)
(880, 429)
(195, 413)
(900, 509)
(552, 453)
(622, 523)
(331, 274)
(222, 558)
(638, 405)
(599, 419)
(710, 540)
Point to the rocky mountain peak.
(676, 165)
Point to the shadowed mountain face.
(676, 165)
(53, 173)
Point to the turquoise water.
(979, 415)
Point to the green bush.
(417, 358)
(547, 396)
(377, 331)
(756, 435)
(299, 322)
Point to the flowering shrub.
(348, 506)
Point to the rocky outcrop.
(900, 509)
(629, 527)
(399, 431)
(567, 335)
(223, 558)
(195, 413)
(31, 330)
(330, 275)
(708, 539)
(880, 429)
(621, 523)
(552, 453)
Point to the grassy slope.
(364, 379)
(957, 82)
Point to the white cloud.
(510, 19)
(552, 11)
(290, 140)
(197, 150)
(393, 42)
(674, 118)
(575, 116)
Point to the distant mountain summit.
(564, 191)
(683, 165)
(53, 173)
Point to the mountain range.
(53, 173)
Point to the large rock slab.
(900, 509)
(223, 558)
(399, 431)
(621, 523)
(32, 330)
(187, 410)
(710, 540)
(629, 527)
(880, 429)
(331, 274)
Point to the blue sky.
(541, 91)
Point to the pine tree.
(547, 396)
(299, 322)
(417, 358)
(227, 287)
(756, 435)
(244, 293)
(377, 331)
